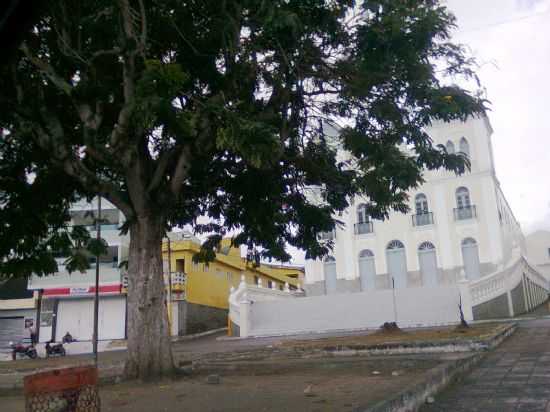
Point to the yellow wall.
(209, 283)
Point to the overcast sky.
(511, 41)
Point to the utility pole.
(394, 300)
(169, 298)
(96, 296)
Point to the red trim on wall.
(79, 291)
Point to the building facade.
(458, 226)
(201, 290)
(66, 300)
(17, 313)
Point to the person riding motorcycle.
(68, 338)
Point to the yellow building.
(200, 291)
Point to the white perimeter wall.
(424, 306)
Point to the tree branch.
(48, 70)
(120, 130)
(180, 173)
(143, 37)
(64, 157)
(160, 171)
(107, 52)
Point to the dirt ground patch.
(331, 385)
(441, 335)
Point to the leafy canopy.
(178, 109)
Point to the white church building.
(458, 227)
(459, 245)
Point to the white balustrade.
(504, 280)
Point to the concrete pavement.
(515, 377)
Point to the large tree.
(177, 109)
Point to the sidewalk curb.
(411, 398)
(424, 347)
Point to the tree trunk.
(149, 343)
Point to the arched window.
(366, 253)
(362, 216)
(464, 146)
(450, 147)
(397, 264)
(421, 204)
(470, 256)
(395, 244)
(462, 197)
(367, 270)
(330, 275)
(426, 246)
(427, 262)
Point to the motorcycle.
(53, 349)
(26, 350)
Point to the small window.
(464, 147)
(180, 265)
(270, 284)
(330, 235)
(450, 147)
(462, 198)
(362, 215)
(421, 204)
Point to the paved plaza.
(515, 377)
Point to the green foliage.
(208, 250)
(224, 109)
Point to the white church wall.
(414, 307)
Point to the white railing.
(506, 279)
(535, 276)
(178, 278)
(492, 285)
